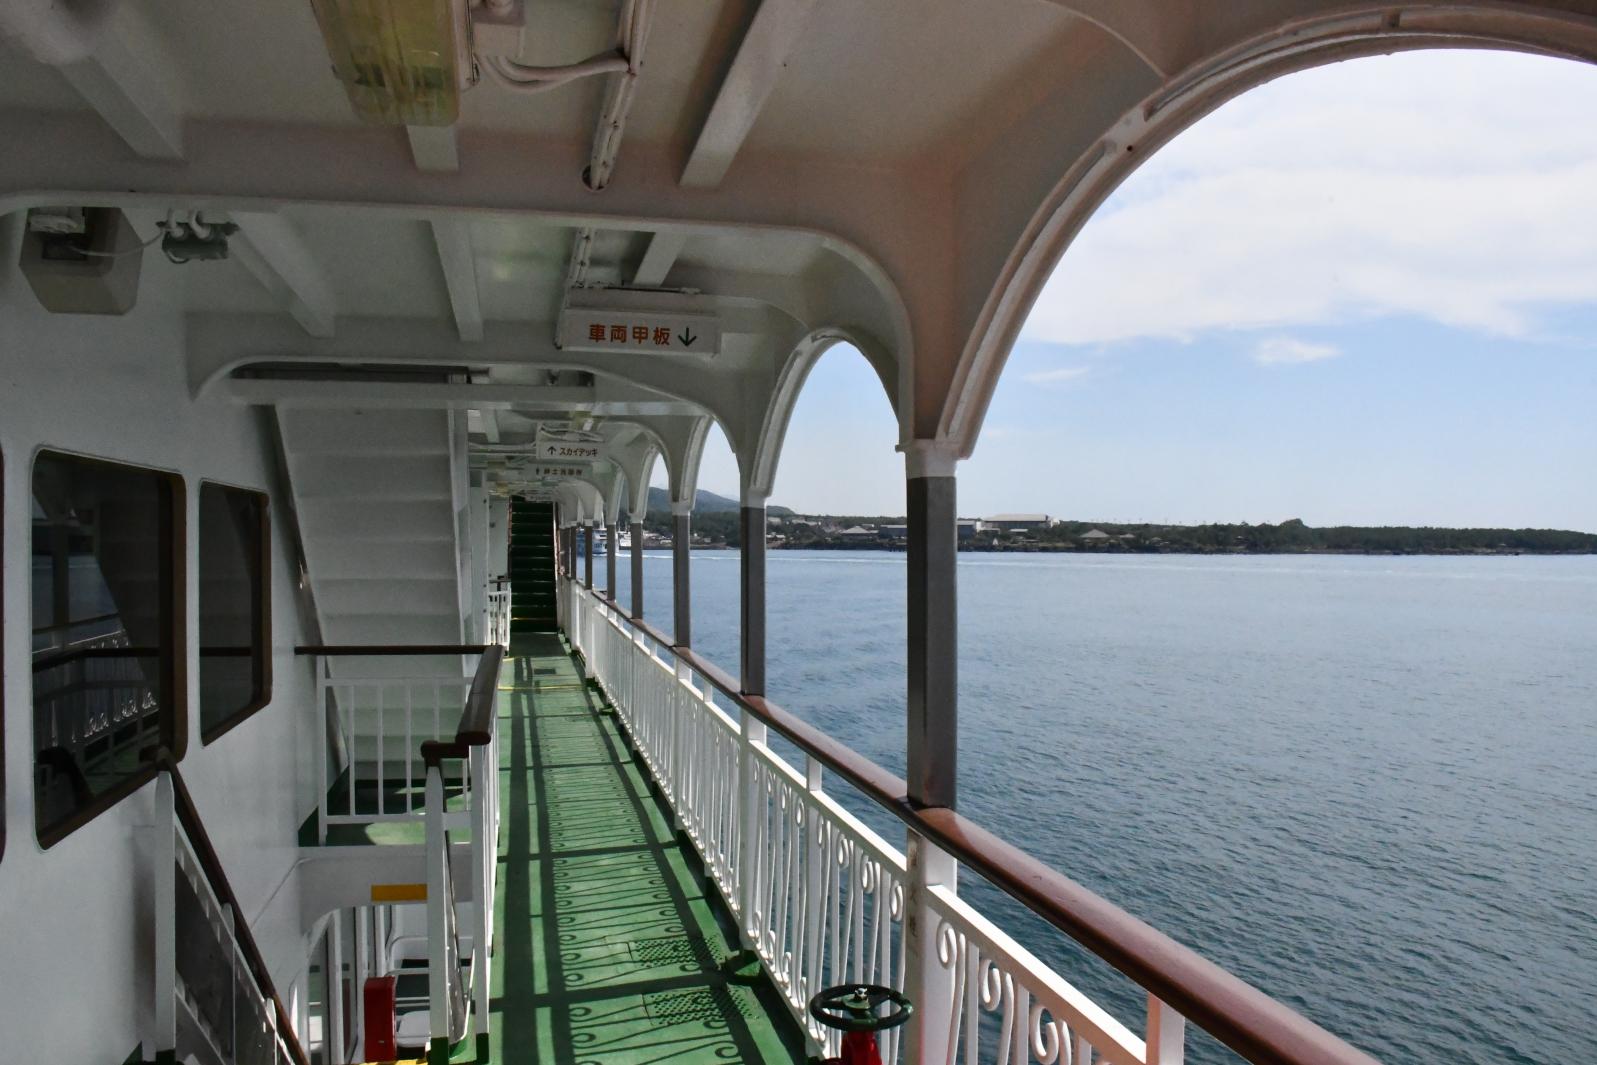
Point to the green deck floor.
(611, 947)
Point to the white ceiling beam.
(759, 62)
(268, 246)
(434, 148)
(490, 424)
(659, 257)
(561, 402)
(121, 88)
(459, 260)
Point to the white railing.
(379, 724)
(476, 746)
(208, 1002)
(499, 617)
(823, 899)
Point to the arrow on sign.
(687, 337)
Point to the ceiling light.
(402, 62)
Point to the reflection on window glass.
(234, 660)
(106, 627)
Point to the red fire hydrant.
(856, 1011)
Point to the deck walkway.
(612, 947)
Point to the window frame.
(174, 596)
(260, 623)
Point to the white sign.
(567, 451)
(558, 471)
(636, 332)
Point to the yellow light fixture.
(401, 61)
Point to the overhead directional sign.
(558, 471)
(639, 332)
(567, 451)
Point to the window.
(235, 607)
(108, 682)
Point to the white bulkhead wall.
(73, 920)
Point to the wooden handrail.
(188, 816)
(477, 719)
(1235, 1012)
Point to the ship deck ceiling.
(238, 60)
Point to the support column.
(751, 529)
(752, 738)
(587, 555)
(681, 558)
(637, 570)
(932, 738)
(611, 546)
(933, 632)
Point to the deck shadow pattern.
(612, 947)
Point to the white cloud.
(1276, 351)
(1451, 186)
(1061, 376)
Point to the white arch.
(1337, 32)
(795, 371)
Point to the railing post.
(163, 852)
(321, 728)
(751, 809)
(437, 920)
(483, 843)
(336, 1043)
(1167, 1034)
(928, 983)
(816, 869)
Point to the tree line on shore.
(1287, 537)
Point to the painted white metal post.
(163, 853)
(363, 951)
(335, 998)
(437, 919)
(1167, 1034)
(928, 983)
(483, 844)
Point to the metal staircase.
(381, 498)
(532, 568)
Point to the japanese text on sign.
(639, 332)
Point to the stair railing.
(210, 980)
(499, 615)
(476, 743)
(377, 723)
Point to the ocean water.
(1367, 785)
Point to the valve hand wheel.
(858, 1008)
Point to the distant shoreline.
(1051, 549)
(1059, 549)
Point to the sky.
(1361, 294)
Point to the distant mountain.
(704, 503)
